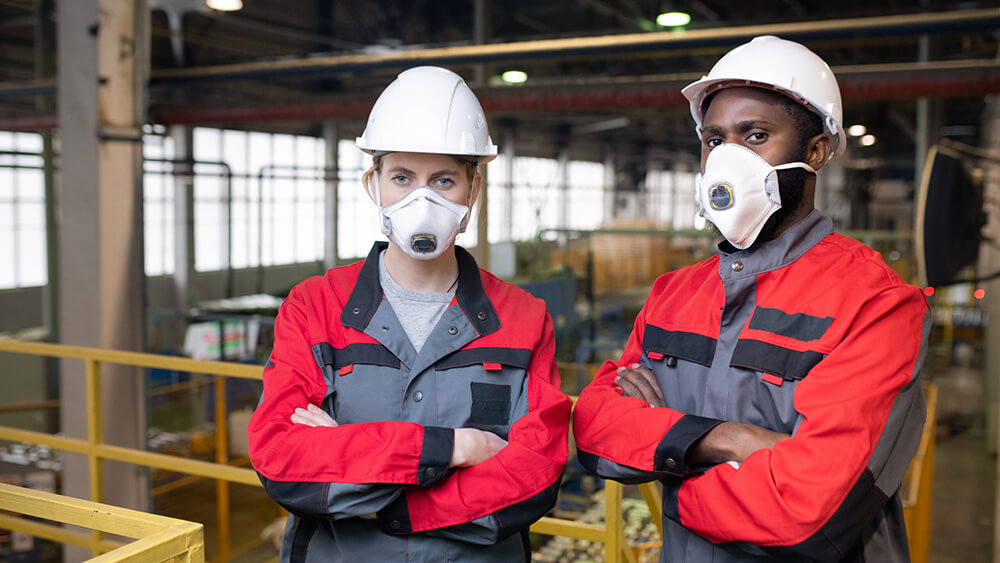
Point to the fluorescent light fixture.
(868, 140)
(857, 130)
(673, 19)
(514, 77)
(225, 5)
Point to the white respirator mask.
(424, 223)
(738, 192)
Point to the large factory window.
(258, 199)
(22, 211)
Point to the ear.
(818, 151)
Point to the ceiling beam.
(907, 24)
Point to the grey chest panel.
(729, 377)
(483, 388)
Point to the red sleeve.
(519, 484)
(658, 438)
(286, 452)
(862, 414)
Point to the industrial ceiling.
(601, 73)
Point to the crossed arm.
(729, 441)
(472, 446)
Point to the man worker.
(772, 388)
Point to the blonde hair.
(367, 179)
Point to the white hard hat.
(431, 110)
(784, 66)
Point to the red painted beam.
(525, 100)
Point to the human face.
(404, 171)
(753, 118)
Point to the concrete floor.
(965, 471)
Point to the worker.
(772, 388)
(411, 408)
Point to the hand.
(473, 446)
(640, 383)
(732, 441)
(313, 416)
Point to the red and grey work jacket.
(487, 364)
(811, 335)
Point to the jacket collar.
(470, 295)
(777, 253)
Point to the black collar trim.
(367, 294)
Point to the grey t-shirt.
(417, 311)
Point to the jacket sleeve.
(657, 438)
(506, 493)
(862, 412)
(331, 471)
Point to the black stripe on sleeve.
(394, 519)
(843, 531)
(672, 449)
(435, 454)
(517, 517)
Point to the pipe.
(906, 24)
(524, 100)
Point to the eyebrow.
(740, 126)
(403, 170)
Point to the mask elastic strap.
(795, 165)
(375, 188)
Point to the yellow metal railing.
(158, 538)
(97, 451)
(611, 533)
(918, 483)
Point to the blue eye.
(400, 179)
(444, 182)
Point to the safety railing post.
(95, 436)
(654, 500)
(222, 457)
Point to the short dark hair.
(807, 123)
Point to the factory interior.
(170, 169)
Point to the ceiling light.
(514, 77)
(868, 140)
(857, 130)
(224, 5)
(673, 19)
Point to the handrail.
(158, 538)
(611, 533)
(96, 450)
(918, 483)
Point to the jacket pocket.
(768, 377)
(659, 343)
(789, 365)
(485, 388)
(362, 382)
